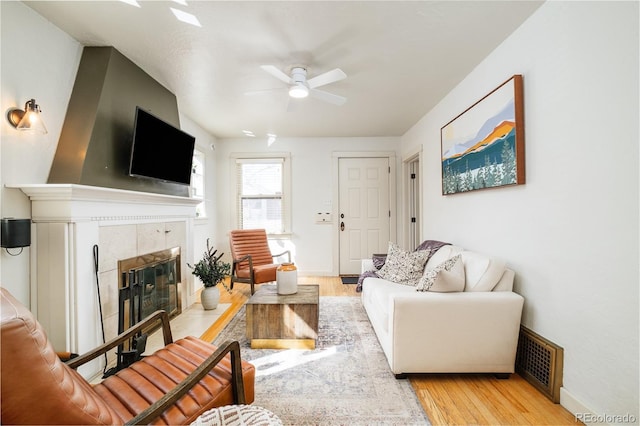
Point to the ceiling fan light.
(298, 91)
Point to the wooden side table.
(283, 321)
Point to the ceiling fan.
(300, 87)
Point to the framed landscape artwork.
(484, 146)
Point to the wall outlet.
(323, 217)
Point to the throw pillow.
(445, 278)
(404, 267)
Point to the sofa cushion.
(482, 272)
(445, 278)
(444, 253)
(404, 267)
(380, 297)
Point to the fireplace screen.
(148, 283)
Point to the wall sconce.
(15, 233)
(29, 119)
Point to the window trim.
(234, 158)
(200, 155)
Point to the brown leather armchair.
(172, 386)
(252, 259)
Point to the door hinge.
(389, 213)
(389, 169)
(413, 220)
(413, 175)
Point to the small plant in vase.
(211, 271)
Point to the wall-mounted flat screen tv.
(160, 150)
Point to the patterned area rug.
(344, 381)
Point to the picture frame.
(483, 147)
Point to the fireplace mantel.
(78, 203)
(69, 223)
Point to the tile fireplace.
(69, 221)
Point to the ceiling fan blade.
(328, 77)
(328, 97)
(293, 104)
(277, 73)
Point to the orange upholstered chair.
(174, 385)
(252, 259)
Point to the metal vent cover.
(539, 361)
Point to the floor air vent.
(539, 362)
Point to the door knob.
(342, 226)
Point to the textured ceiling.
(400, 57)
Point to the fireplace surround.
(68, 222)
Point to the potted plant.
(211, 271)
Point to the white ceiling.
(400, 57)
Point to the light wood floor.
(448, 399)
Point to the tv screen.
(159, 150)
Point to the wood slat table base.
(283, 321)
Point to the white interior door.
(364, 210)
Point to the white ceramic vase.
(287, 279)
(210, 297)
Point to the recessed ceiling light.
(186, 17)
(131, 2)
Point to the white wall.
(38, 61)
(571, 232)
(312, 191)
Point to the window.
(197, 181)
(262, 194)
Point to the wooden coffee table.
(283, 321)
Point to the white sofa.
(472, 331)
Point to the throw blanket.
(432, 245)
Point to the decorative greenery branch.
(210, 269)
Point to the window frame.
(200, 177)
(285, 157)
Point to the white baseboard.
(316, 273)
(574, 406)
(588, 416)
